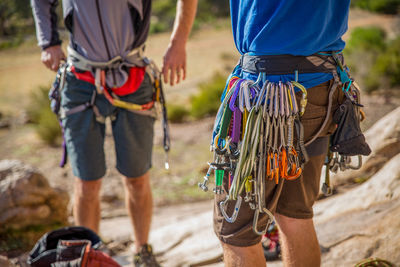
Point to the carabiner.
(355, 167)
(235, 213)
(303, 101)
(255, 221)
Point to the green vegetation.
(40, 114)
(379, 6)
(163, 12)
(177, 113)
(387, 66)
(367, 39)
(16, 23)
(207, 102)
(380, 58)
(14, 16)
(16, 240)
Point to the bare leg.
(252, 256)
(87, 203)
(300, 246)
(139, 202)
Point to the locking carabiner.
(235, 213)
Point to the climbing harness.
(156, 105)
(258, 134)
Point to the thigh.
(133, 134)
(298, 196)
(84, 136)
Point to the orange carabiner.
(295, 172)
(283, 164)
(276, 168)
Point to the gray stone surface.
(384, 140)
(181, 236)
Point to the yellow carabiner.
(244, 118)
(303, 101)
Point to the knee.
(87, 189)
(137, 183)
(243, 256)
(287, 224)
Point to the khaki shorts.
(290, 198)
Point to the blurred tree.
(380, 6)
(11, 13)
(164, 12)
(369, 38)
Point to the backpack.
(69, 247)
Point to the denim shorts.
(84, 135)
(290, 198)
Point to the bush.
(163, 12)
(378, 57)
(40, 114)
(379, 6)
(207, 102)
(177, 113)
(48, 127)
(371, 39)
(386, 69)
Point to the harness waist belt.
(135, 58)
(285, 64)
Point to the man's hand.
(174, 65)
(52, 56)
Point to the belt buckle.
(261, 65)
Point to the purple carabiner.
(237, 119)
(235, 95)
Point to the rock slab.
(26, 198)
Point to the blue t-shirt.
(277, 27)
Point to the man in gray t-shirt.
(102, 31)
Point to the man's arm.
(46, 32)
(174, 66)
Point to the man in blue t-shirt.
(301, 29)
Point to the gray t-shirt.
(100, 29)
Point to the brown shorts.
(289, 198)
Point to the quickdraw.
(253, 139)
